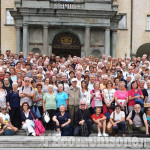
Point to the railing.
(67, 5)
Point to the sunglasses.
(82, 104)
(26, 80)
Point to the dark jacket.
(24, 118)
(82, 115)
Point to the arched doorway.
(143, 49)
(36, 50)
(65, 44)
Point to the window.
(148, 22)
(9, 18)
(123, 23)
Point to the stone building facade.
(77, 27)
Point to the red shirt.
(132, 94)
(97, 117)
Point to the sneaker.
(99, 134)
(58, 134)
(105, 134)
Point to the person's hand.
(44, 110)
(122, 107)
(81, 122)
(9, 108)
(23, 122)
(130, 122)
(137, 96)
(147, 133)
(63, 125)
(87, 106)
(108, 105)
(57, 123)
(100, 125)
(66, 109)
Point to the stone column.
(18, 33)
(87, 41)
(107, 42)
(45, 39)
(25, 39)
(114, 38)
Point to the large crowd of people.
(107, 96)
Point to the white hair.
(14, 83)
(50, 85)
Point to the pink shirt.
(121, 94)
(131, 93)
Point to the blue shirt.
(62, 119)
(61, 99)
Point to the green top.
(50, 101)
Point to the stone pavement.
(49, 140)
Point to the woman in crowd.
(108, 95)
(144, 91)
(62, 122)
(96, 97)
(46, 84)
(132, 95)
(117, 119)
(54, 83)
(3, 94)
(38, 99)
(85, 94)
(121, 96)
(13, 104)
(49, 105)
(116, 81)
(40, 79)
(61, 97)
(28, 117)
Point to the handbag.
(8, 132)
(138, 101)
(84, 130)
(46, 117)
(39, 128)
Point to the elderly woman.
(61, 97)
(46, 84)
(28, 117)
(49, 105)
(96, 96)
(134, 93)
(108, 94)
(40, 78)
(117, 119)
(121, 96)
(13, 104)
(62, 122)
(38, 98)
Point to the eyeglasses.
(82, 104)
(117, 108)
(4, 109)
(26, 80)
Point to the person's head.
(27, 81)
(104, 79)
(119, 74)
(60, 88)
(96, 85)
(40, 77)
(15, 86)
(3, 109)
(98, 110)
(50, 88)
(118, 108)
(78, 75)
(74, 82)
(134, 85)
(84, 84)
(12, 71)
(122, 85)
(137, 108)
(109, 84)
(64, 77)
(92, 78)
(82, 105)
(6, 81)
(129, 78)
(25, 106)
(28, 66)
(39, 87)
(148, 111)
(8, 53)
(71, 74)
(148, 84)
(47, 81)
(1, 73)
(142, 82)
(62, 108)
(33, 83)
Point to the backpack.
(84, 130)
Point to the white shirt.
(117, 116)
(86, 96)
(109, 94)
(5, 118)
(90, 86)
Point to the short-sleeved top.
(97, 117)
(50, 101)
(132, 93)
(109, 94)
(25, 89)
(5, 118)
(117, 116)
(61, 99)
(137, 120)
(121, 96)
(62, 119)
(3, 98)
